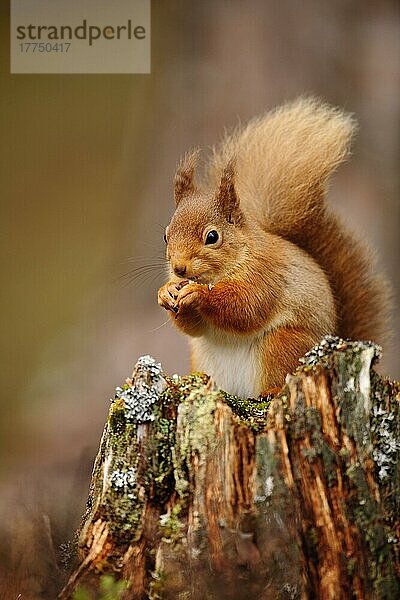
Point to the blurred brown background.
(86, 170)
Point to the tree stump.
(198, 495)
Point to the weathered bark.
(199, 495)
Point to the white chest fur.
(232, 361)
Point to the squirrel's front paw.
(190, 296)
(168, 294)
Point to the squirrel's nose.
(180, 270)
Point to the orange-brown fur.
(283, 271)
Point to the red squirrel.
(260, 269)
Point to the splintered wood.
(199, 495)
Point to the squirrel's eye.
(212, 237)
(165, 238)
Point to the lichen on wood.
(196, 494)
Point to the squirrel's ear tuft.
(184, 176)
(227, 199)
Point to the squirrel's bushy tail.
(283, 161)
